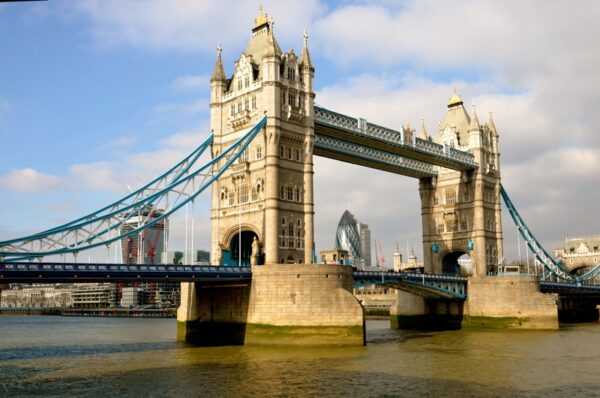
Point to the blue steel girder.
(34, 272)
(359, 131)
(105, 226)
(351, 152)
(426, 285)
(570, 288)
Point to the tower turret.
(474, 131)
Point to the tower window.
(283, 221)
(254, 102)
(244, 156)
(258, 152)
(243, 193)
(239, 83)
(289, 151)
(247, 81)
(297, 198)
(290, 193)
(281, 192)
(281, 151)
(297, 153)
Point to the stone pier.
(492, 302)
(509, 302)
(284, 305)
(411, 311)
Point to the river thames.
(92, 357)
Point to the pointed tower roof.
(474, 125)
(263, 40)
(305, 57)
(422, 132)
(218, 74)
(457, 119)
(491, 125)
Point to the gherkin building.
(347, 236)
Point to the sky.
(99, 95)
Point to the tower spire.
(474, 121)
(271, 48)
(422, 132)
(218, 74)
(491, 124)
(305, 57)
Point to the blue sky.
(96, 95)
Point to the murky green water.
(91, 357)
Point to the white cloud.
(191, 83)
(188, 24)
(30, 181)
(123, 142)
(185, 109)
(99, 176)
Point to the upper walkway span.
(357, 141)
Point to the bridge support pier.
(284, 305)
(411, 311)
(577, 309)
(213, 315)
(509, 302)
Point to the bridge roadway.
(34, 272)
(428, 285)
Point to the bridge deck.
(427, 285)
(11, 272)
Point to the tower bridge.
(266, 130)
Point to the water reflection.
(117, 358)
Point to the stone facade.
(271, 185)
(461, 210)
(580, 254)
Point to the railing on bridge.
(385, 160)
(569, 287)
(34, 272)
(446, 286)
(414, 148)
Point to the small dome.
(455, 100)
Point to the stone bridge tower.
(265, 200)
(461, 210)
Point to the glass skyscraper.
(355, 238)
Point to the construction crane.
(380, 254)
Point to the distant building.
(197, 257)
(411, 265)
(132, 297)
(355, 238)
(334, 257)
(144, 247)
(48, 296)
(365, 244)
(92, 295)
(580, 254)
